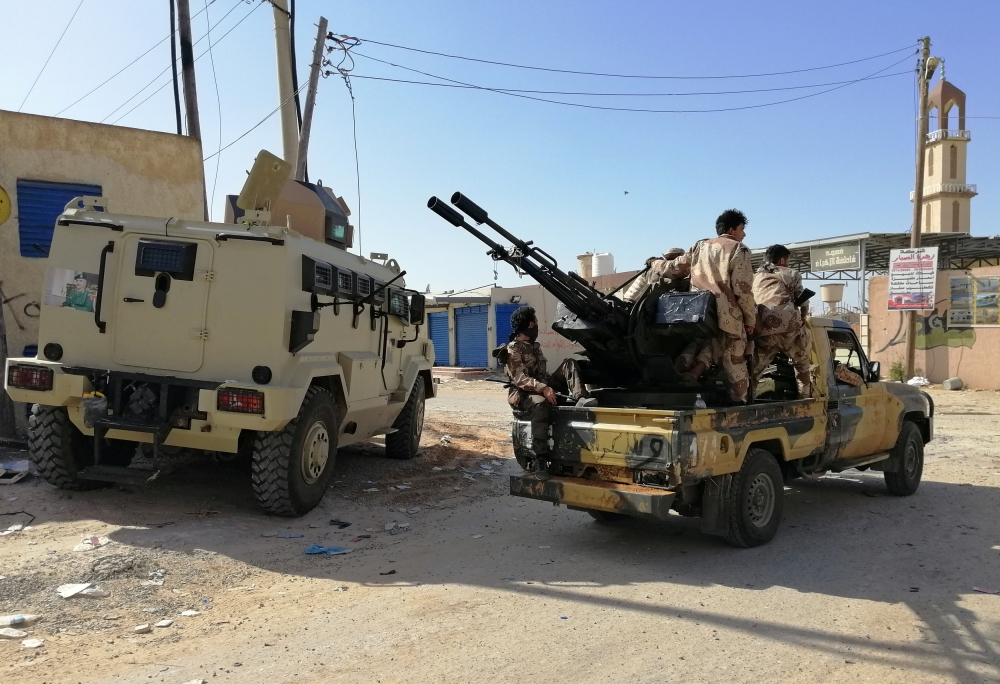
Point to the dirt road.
(858, 585)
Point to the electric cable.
(637, 76)
(218, 103)
(637, 109)
(155, 78)
(106, 81)
(254, 127)
(54, 48)
(346, 44)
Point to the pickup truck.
(632, 456)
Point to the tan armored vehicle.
(239, 339)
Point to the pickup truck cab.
(643, 456)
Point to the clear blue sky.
(829, 165)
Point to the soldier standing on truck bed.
(776, 288)
(532, 390)
(722, 266)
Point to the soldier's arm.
(741, 280)
(519, 377)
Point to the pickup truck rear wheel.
(409, 424)
(756, 500)
(292, 468)
(908, 457)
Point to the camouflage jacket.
(775, 289)
(658, 270)
(526, 368)
(722, 266)
(846, 375)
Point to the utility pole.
(307, 114)
(286, 91)
(926, 68)
(187, 67)
(173, 66)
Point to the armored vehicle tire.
(292, 468)
(607, 518)
(409, 424)
(61, 451)
(908, 456)
(756, 500)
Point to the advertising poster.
(912, 274)
(974, 301)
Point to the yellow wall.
(141, 172)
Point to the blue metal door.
(470, 336)
(502, 327)
(39, 204)
(437, 328)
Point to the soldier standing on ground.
(532, 390)
(722, 266)
(776, 287)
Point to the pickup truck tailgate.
(597, 495)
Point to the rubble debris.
(189, 613)
(143, 629)
(33, 643)
(69, 590)
(91, 543)
(11, 633)
(164, 623)
(477, 536)
(446, 439)
(316, 549)
(155, 578)
(983, 590)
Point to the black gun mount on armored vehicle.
(630, 349)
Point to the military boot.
(541, 462)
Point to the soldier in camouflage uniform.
(782, 324)
(532, 390)
(722, 266)
(656, 269)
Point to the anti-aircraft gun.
(630, 347)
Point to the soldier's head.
(673, 253)
(81, 282)
(732, 222)
(777, 255)
(524, 322)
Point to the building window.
(39, 204)
(930, 162)
(955, 226)
(953, 162)
(927, 219)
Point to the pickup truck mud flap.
(644, 502)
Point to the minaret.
(947, 197)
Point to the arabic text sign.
(912, 275)
(842, 257)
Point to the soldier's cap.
(79, 276)
(673, 253)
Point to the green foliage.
(896, 371)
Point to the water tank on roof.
(585, 265)
(604, 264)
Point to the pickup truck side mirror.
(875, 372)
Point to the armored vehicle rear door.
(160, 302)
(857, 414)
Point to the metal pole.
(918, 194)
(307, 114)
(286, 91)
(173, 67)
(187, 67)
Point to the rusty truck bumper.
(634, 500)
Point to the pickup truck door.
(857, 412)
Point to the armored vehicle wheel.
(405, 442)
(61, 451)
(292, 468)
(756, 499)
(908, 457)
(607, 518)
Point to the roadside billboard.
(912, 276)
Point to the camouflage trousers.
(795, 344)
(534, 407)
(727, 351)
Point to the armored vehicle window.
(175, 258)
(845, 349)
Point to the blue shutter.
(39, 204)
(502, 327)
(470, 336)
(437, 328)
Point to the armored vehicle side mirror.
(875, 373)
(417, 305)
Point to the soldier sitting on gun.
(532, 390)
(656, 268)
(783, 329)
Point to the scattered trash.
(373, 489)
(469, 477)
(162, 524)
(545, 547)
(112, 617)
(403, 487)
(196, 681)
(477, 536)
(11, 633)
(314, 527)
(914, 589)
(11, 620)
(341, 589)
(91, 543)
(918, 381)
(68, 590)
(189, 613)
(286, 535)
(32, 643)
(446, 439)
(164, 623)
(341, 524)
(953, 384)
(437, 468)
(403, 526)
(94, 592)
(388, 572)
(457, 489)
(361, 537)
(563, 617)
(414, 511)
(14, 471)
(12, 498)
(983, 590)
(316, 549)
(485, 466)
(155, 578)
(143, 629)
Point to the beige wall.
(555, 347)
(942, 353)
(141, 172)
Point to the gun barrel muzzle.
(476, 212)
(445, 212)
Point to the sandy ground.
(857, 586)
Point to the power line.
(113, 76)
(218, 102)
(593, 94)
(610, 75)
(54, 48)
(255, 126)
(165, 84)
(155, 78)
(637, 109)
